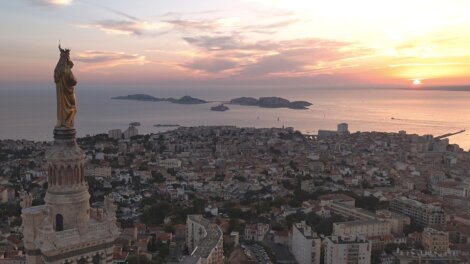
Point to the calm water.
(30, 113)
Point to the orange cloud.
(231, 55)
(52, 2)
(127, 27)
(108, 59)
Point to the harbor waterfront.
(380, 109)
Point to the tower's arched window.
(59, 222)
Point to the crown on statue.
(64, 51)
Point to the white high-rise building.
(115, 133)
(130, 132)
(342, 128)
(305, 245)
(346, 250)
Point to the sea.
(29, 113)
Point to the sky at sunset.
(335, 42)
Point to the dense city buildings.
(424, 257)
(256, 184)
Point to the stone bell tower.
(66, 229)
(67, 193)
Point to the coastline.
(333, 133)
(363, 110)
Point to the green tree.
(154, 215)
(10, 209)
(390, 247)
(152, 244)
(158, 177)
(198, 206)
(240, 178)
(288, 185)
(138, 259)
(163, 249)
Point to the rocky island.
(271, 102)
(187, 100)
(145, 97)
(244, 101)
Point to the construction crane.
(449, 134)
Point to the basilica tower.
(66, 229)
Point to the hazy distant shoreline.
(439, 88)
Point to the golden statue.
(65, 89)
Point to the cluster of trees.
(91, 140)
(234, 212)
(138, 259)
(7, 155)
(370, 203)
(391, 247)
(156, 208)
(155, 245)
(10, 209)
(158, 177)
(219, 177)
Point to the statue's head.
(65, 55)
(63, 65)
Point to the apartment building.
(435, 240)
(424, 215)
(304, 244)
(346, 250)
(204, 240)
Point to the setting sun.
(417, 82)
